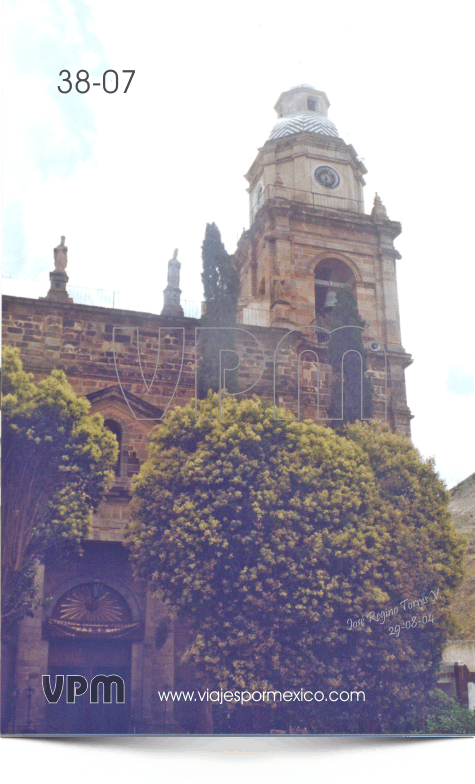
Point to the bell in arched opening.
(330, 300)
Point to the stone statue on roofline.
(171, 295)
(61, 256)
(59, 277)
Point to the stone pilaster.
(388, 256)
(32, 663)
(281, 282)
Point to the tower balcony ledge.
(280, 194)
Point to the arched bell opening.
(331, 275)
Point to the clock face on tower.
(327, 177)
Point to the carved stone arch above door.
(94, 606)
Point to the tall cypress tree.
(221, 290)
(345, 337)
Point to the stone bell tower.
(309, 236)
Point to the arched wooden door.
(90, 631)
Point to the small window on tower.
(311, 104)
(115, 428)
(262, 287)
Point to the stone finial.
(172, 293)
(61, 256)
(58, 277)
(379, 210)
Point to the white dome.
(304, 121)
(303, 86)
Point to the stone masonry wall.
(97, 349)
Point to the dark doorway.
(89, 658)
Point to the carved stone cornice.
(391, 252)
(318, 215)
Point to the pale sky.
(129, 177)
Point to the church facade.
(309, 236)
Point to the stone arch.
(93, 624)
(343, 257)
(129, 460)
(93, 577)
(331, 273)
